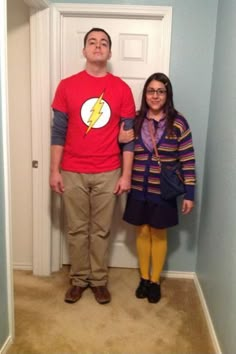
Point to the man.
(85, 162)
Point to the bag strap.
(156, 151)
(153, 141)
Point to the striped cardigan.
(146, 170)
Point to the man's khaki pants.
(89, 202)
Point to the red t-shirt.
(95, 106)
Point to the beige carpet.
(47, 325)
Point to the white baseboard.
(22, 266)
(6, 345)
(207, 316)
(180, 275)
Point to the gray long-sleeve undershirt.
(60, 124)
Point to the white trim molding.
(109, 10)
(178, 275)
(22, 266)
(41, 113)
(6, 204)
(6, 345)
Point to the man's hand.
(125, 136)
(56, 182)
(123, 185)
(187, 206)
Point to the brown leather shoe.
(74, 293)
(101, 294)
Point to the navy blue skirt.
(160, 216)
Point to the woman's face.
(156, 96)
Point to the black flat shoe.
(142, 290)
(154, 292)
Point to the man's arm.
(56, 182)
(126, 134)
(59, 129)
(124, 182)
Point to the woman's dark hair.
(169, 108)
(96, 29)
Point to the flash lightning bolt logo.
(96, 113)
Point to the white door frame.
(40, 117)
(6, 203)
(45, 77)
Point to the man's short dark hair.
(96, 29)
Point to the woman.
(145, 208)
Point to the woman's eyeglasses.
(159, 92)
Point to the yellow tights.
(151, 247)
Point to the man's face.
(97, 48)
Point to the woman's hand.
(187, 206)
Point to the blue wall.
(216, 262)
(191, 61)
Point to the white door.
(140, 47)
